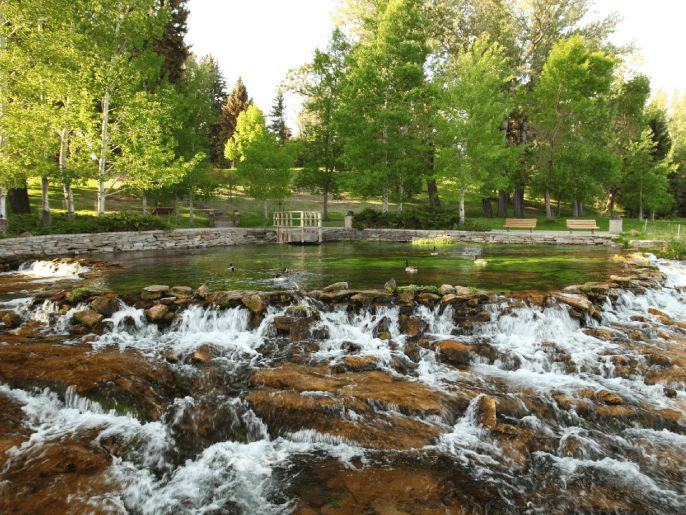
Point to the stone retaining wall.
(78, 244)
(496, 237)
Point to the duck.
(478, 261)
(231, 267)
(435, 252)
(411, 269)
(283, 274)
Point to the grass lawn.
(252, 215)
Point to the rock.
(638, 318)
(453, 352)
(88, 317)
(386, 335)
(429, 297)
(601, 334)
(351, 347)
(203, 291)
(336, 287)
(413, 352)
(300, 329)
(336, 296)
(156, 288)
(382, 326)
(151, 295)
(413, 326)
(167, 300)
(25, 234)
(204, 354)
(669, 393)
(607, 397)
(576, 301)
(659, 360)
(11, 320)
(633, 232)
(360, 363)
(255, 303)
(106, 306)
(658, 313)
(283, 324)
(156, 312)
(184, 290)
(446, 288)
(390, 285)
(485, 411)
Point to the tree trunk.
(652, 216)
(45, 202)
(104, 143)
(266, 214)
(178, 211)
(575, 209)
(66, 185)
(69, 201)
(325, 215)
(145, 203)
(3, 211)
(19, 201)
(434, 200)
(580, 210)
(462, 217)
(502, 204)
(548, 206)
(559, 209)
(401, 190)
(611, 203)
(519, 202)
(486, 207)
(190, 209)
(384, 206)
(101, 198)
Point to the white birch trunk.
(402, 192)
(190, 209)
(462, 215)
(3, 210)
(266, 214)
(45, 202)
(104, 143)
(145, 203)
(66, 186)
(385, 197)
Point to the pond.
(366, 266)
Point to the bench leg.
(592, 231)
(508, 229)
(570, 231)
(531, 230)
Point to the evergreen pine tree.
(237, 102)
(219, 97)
(278, 119)
(171, 44)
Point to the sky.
(261, 40)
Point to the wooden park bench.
(582, 224)
(520, 223)
(161, 211)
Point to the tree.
(646, 184)
(261, 163)
(278, 119)
(170, 44)
(569, 115)
(385, 104)
(677, 131)
(471, 105)
(321, 85)
(237, 102)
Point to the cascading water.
(537, 409)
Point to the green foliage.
(426, 217)
(674, 249)
(79, 294)
(112, 222)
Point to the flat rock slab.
(156, 288)
(576, 301)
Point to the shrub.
(112, 222)
(427, 217)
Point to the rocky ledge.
(412, 435)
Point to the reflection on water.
(366, 265)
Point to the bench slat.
(582, 224)
(520, 223)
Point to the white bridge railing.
(298, 226)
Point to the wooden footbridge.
(298, 226)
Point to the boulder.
(446, 288)
(390, 285)
(607, 397)
(283, 324)
(204, 354)
(88, 317)
(653, 311)
(156, 288)
(485, 411)
(669, 393)
(203, 291)
(151, 295)
(413, 326)
(156, 312)
(301, 329)
(11, 320)
(167, 300)
(183, 290)
(255, 303)
(576, 301)
(360, 363)
(382, 326)
(336, 287)
(106, 306)
(454, 353)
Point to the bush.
(113, 222)
(674, 250)
(428, 217)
